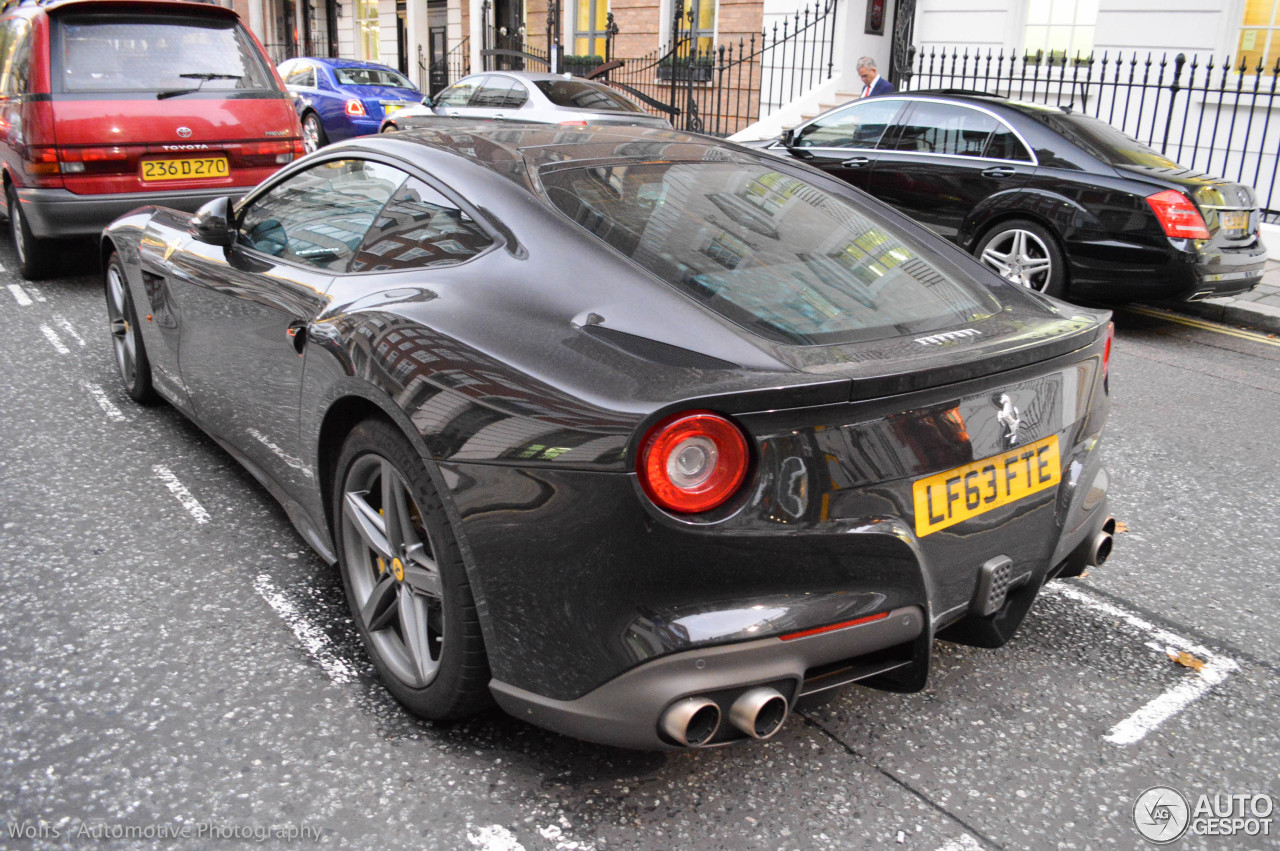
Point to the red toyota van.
(108, 105)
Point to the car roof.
(979, 98)
(510, 147)
(350, 63)
(531, 76)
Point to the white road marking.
(493, 837)
(65, 325)
(1216, 669)
(964, 842)
(20, 295)
(108, 407)
(54, 340)
(35, 293)
(179, 490)
(313, 639)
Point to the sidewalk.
(1258, 309)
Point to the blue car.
(340, 98)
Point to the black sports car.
(643, 435)
(1050, 198)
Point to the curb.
(1259, 317)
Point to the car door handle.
(856, 162)
(297, 334)
(999, 171)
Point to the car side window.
(493, 94)
(418, 229)
(319, 217)
(1005, 145)
(944, 128)
(517, 95)
(861, 125)
(302, 75)
(459, 94)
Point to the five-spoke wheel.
(404, 577)
(126, 336)
(1026, 254)
(313, 135)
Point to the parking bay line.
(1178, 318)
(54, 340)
(179, 490)
(100, 396)
(313, 640)
(1160, 709)
(20, 295)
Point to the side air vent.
(652, 350)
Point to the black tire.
(313, 136)
(35, 256)
(1026, 254)
(438, 668)
(126, 337)
(388, 128)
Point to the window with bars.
(1060, 30)
(1259, 40)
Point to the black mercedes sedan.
(642, 435)
(1049, 198)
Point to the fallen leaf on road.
(1121, 526)
(1185, 659)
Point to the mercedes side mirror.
(427, 102)
(212, 223)
(788, 137)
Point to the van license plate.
(945, 499)
(185, 169)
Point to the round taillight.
(692, 462)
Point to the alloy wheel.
(123, 333)
(311, 134)
(392, 571)
(15, 226)
(1021, 257)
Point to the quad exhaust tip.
(759, 712)
(692, 722)
(1100, 551)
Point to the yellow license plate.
(945, 499)
(1235, 220)
(185, 169)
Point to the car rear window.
(139, 53)
(577, 94)
(1103, 141)
(767, 250)
(371, 77)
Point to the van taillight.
(42, 166)
(1177, 215)
(279, 153)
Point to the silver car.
(525, 96)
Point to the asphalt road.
(175, 660)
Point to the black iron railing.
(724, 89)
(1206, 114)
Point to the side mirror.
(427, 102)
(212, 223)
(788, 137)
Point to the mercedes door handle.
(999, 171)
(856, 162)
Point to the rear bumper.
(58, 213)
(625, 711)
(1180, 272)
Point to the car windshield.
(371, 77)
(769, 251)
(578, 94)
(1104, 141)
(137, 52)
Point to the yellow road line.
(1205, 326)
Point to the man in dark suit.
(873, 83)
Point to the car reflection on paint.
(642, 435)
